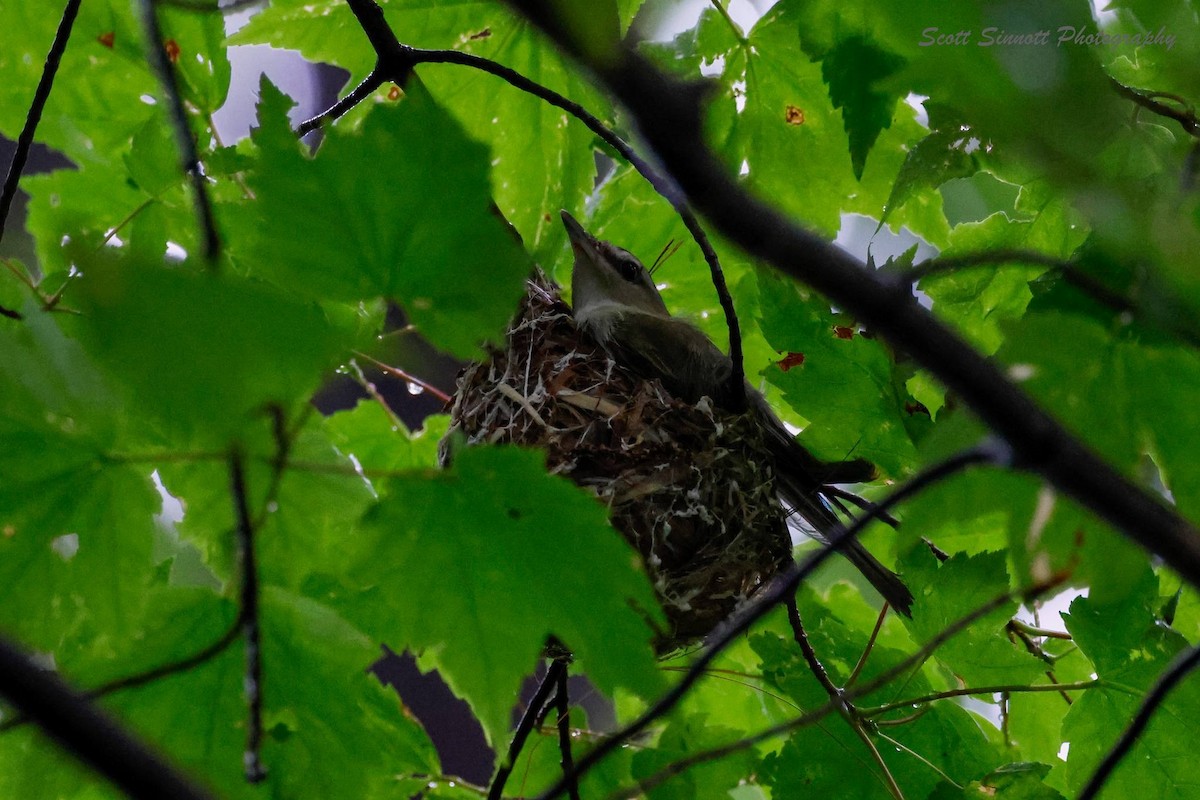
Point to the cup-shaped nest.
(690, 487)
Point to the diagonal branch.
(152, 675)
(157, 53)
(669, 114)
(550, 682)
(783, 587)
(1071, 272)
(970, 691)
(1186, 117)
(88, 733)
(836, 695)
(356, 96)
(913, 661)
(395, 62)
(1179, 669)
(40, 95)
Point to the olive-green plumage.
(616, 302)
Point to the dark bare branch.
(88, 733)
(669, 114)
(156, 53)
(1187, 661)
(40, 96)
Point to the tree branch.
(833, 706)
(562, 705)
(866, 653)
(836, 695)
(528, 722)
(781, 588)
(1187, 661)
(157, 55)
(251, 631)
(1186, 118)
(40, 95)
(1070, 272)
(395, 62)
(969, 691)
(356, 96)
(88, 733)
(668, 112)
(151, 675)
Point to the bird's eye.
(629, 269)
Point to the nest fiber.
(690, 487)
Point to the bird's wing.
(678, 354)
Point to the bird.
(615, 301)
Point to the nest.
(690, 487)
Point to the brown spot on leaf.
(916, 408)
(107, 39)
(172, 48)
(9, 531)
(393, 93)
(843, 332)
(791, 360)
(547, 217)
(483, 34)
(794, 115)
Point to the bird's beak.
(582, 242)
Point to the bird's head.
(607, 275)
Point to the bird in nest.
(635, 404)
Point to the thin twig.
(862, 660)
(784, 585)
(407, 376)
(255, 772)
(1032, 630)
(360, 377)
(149, 676)
(661, 184)
(990, 258)
(1036, 650)
(1070, 271)
(526, 725)
(668, 111)
(34, 116)
(978, 690)
(562, 703)
(156, 52)
(356, 96)
(901, 746)
(849, 712)
(395, 62)
(88, 733)
(833, 706)
(734, 28)
(1186, 118)
(1183, 664)
(810, 655)
(889, 780)
(911, 718)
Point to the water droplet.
(415, 388)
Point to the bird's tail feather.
(807, 503)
